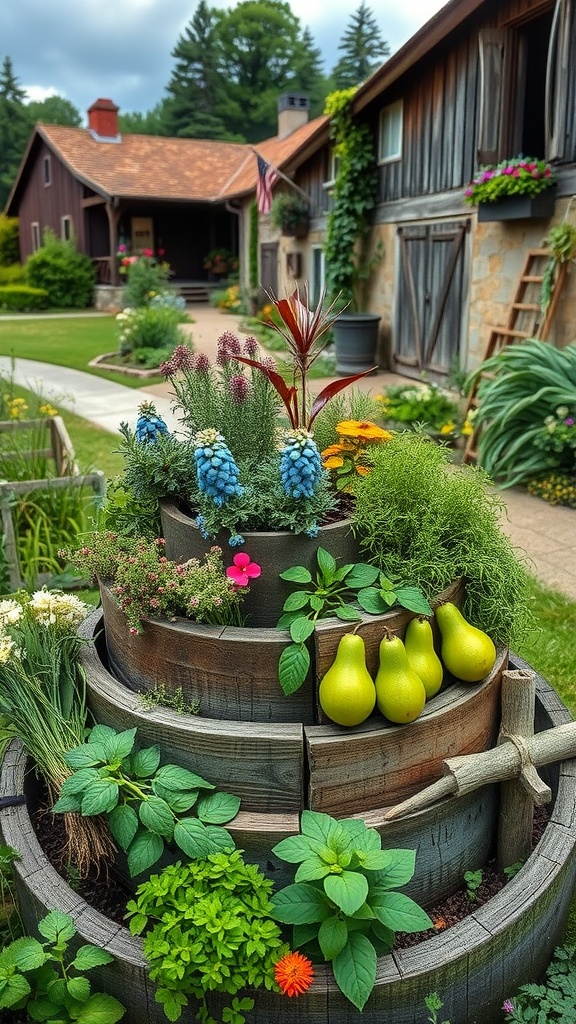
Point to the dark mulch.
(108, 895)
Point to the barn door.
(430, 296)
(269, 267)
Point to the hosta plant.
(47, 983)
(343, 905)
(146, 804)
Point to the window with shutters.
(522, 85)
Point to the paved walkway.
(547, 535)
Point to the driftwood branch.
(516, 756)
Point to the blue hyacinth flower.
(300, 464)
(218, 474)
(149, 424)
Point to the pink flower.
(508, 1006)
(243, 570)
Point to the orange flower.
(333, 462)
(294, 974)
(363, 430)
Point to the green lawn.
(70, 341)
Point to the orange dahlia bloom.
(294, 974)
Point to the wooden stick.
(517, 797)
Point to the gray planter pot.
(355, 342)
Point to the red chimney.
(103, 119)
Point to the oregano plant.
(146, 804)
(339, 591)
(46, 983)
(342, 904)
(218, 911)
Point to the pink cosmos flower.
(243, 570)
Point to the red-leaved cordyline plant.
(303, 330)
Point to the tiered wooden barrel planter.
(473, 965)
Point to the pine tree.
(363, 49)
(14, 128)
(191, 108)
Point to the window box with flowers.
(516, 189)
(220, 263)
(290, 213)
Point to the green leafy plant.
(218, 910)
(342, 904)
(427, 406)
(512, 870)
(146, 805)
(10, 923)
(288, 212)
(519, 176)
(354, 197)
(521, 386)
(333, 591)
(66, 274)
(148, 334)
(160, 696)
(146, 277)
(551, 1002)
(434, 1003)
(432, 522)
(561, 241)
(473, 880)
(48, 983)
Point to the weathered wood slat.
(260, 763)
(353, 771)
(231, 671)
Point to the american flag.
(267, 178)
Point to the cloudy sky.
(120, 49)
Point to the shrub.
(289, 212)
(14, 273)
(9, 240)
(146, 278)
(67, 275)
(22, 297)
(150, 327)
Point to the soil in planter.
(109, 896)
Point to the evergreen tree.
(14, 128)
(193, 91)
(363, 49)
(53, 110)
(231, 67)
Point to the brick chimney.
(103, 120)
(293, 108)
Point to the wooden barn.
(482, 81)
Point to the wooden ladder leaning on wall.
(525, 320)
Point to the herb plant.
(145, 583)
(210, 929)
(433, 1003)
(333, 591)
(551, 1002)
(43, 698)
(342, 905)
(432, 522)
(473, 880)
(42, 980)
(146, 805)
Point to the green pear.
(400, 692)
(347, 694)
(419, 644)
(467, 652)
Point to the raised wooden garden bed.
(63, 473)
(474, 965)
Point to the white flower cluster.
(53, 608)
(11, 613)
(8, 649)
